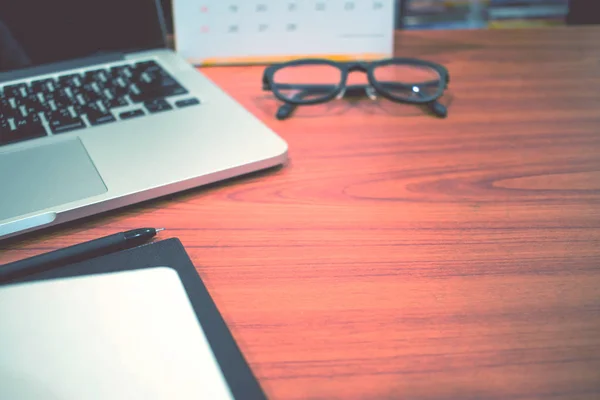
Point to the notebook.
(138, 324)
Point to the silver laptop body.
(173, 144)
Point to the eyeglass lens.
(307, 82)
(410, 82)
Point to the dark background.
(580, 12)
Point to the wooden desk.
(403, 256)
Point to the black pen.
(79, 252)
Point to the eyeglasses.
(316, 81)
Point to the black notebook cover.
(238, 375)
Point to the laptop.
(97, 113)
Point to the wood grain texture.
(402, 256)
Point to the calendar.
(217, 32)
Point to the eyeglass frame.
(367, 67)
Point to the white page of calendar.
(209, 32)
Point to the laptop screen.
(36, 32)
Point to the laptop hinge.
(60, 66)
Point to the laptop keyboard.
(79, 101)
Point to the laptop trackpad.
(47, 176)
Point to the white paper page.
(216, 31)
(128, 335)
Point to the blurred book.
(445, 14)
(478, 14)
(531, 13)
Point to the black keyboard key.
(25, 129)
(17, 91)
(6, 108)
(147, 67)
(8, 136)
(50, 107)
(119, 87)
(98, 114)
(157, 92)
(157, 105)
(12, 113)
(34, 119)
(66, 125)
(147, 80)
(4, 124)
(115, 102)
(61, 98)
(98, 75)
(31, 103)
(32, 124)
(121, 90)
(60, 114)
(43, 86)
(92, 108)
(62, 121)
(91, 87)
(100, 118)
(152, 82)
(23, 112)
(132, 114)
(71, 80)
(81, 99)
(92, 96)
(123, 71)
(187, 102)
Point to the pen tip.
(159, 229)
